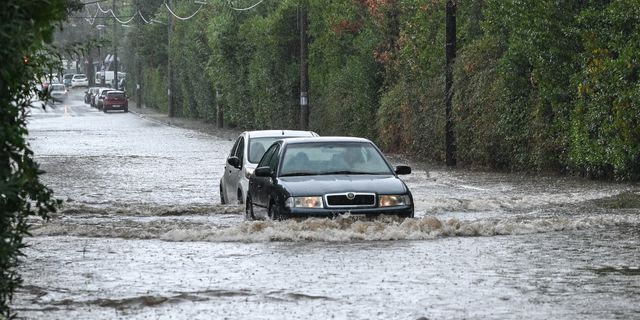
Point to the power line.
(244, 9)
(91, 20)
(142, 17)
(184, 18)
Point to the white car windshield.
(324, 158)
(57, 87)
(258, 146)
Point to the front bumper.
(59, 98)
(400, 211)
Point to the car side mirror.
(263, 172)
(234, 161)
(403, 170)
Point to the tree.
(26, 29)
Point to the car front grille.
(358, 200)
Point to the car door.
(269, 182)
(265, 184)
(228, 171)
(257, 184)
(235, 173)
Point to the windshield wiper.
(293, 174)
(345, 172)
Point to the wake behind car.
(245, 154)
(325, 177)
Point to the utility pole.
(115, 46)
(304, 68)
(139, 81)
(219, 110)
(171, 106)
(450, 53)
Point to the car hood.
(321, 185)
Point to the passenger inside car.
(298, 163)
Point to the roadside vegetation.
(26, 28)
(539, 85)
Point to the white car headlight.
(248, 172)
(392, 200)
(304, 202)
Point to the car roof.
(278, 133)
(325, 139)
(115, 91)
(105, 89)
(80, 75)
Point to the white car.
(244, 157)
(79, 80)
(57, 92)
(97, 101)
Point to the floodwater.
(142, 236)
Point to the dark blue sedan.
(325, 177)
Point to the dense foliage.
(26, 26)
(540, 85)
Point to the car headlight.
(304, 202)
(248, 172)
(392, 200)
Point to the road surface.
(142, 236)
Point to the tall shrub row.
(540, 85)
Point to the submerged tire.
(240, 200)
(248, 210)
(274, 212)
(222, 199)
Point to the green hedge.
(539, 85)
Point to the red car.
(115, 100)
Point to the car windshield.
(57, 87)
(326, 158)
(258, 146)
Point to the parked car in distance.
(98, 100)
(57, 92)
(115, 100)
(325, 177)
(92, 92)
(245, 154)
(79, 80)
(108, 77)
(87, 95)
(66, 79)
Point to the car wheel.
(248, 211)
(240, 199)
(274, 212)
(126, 110)
(104, 110)
(222, 199)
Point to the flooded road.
(142, 236)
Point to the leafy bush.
(538, 84)
(26, 26)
